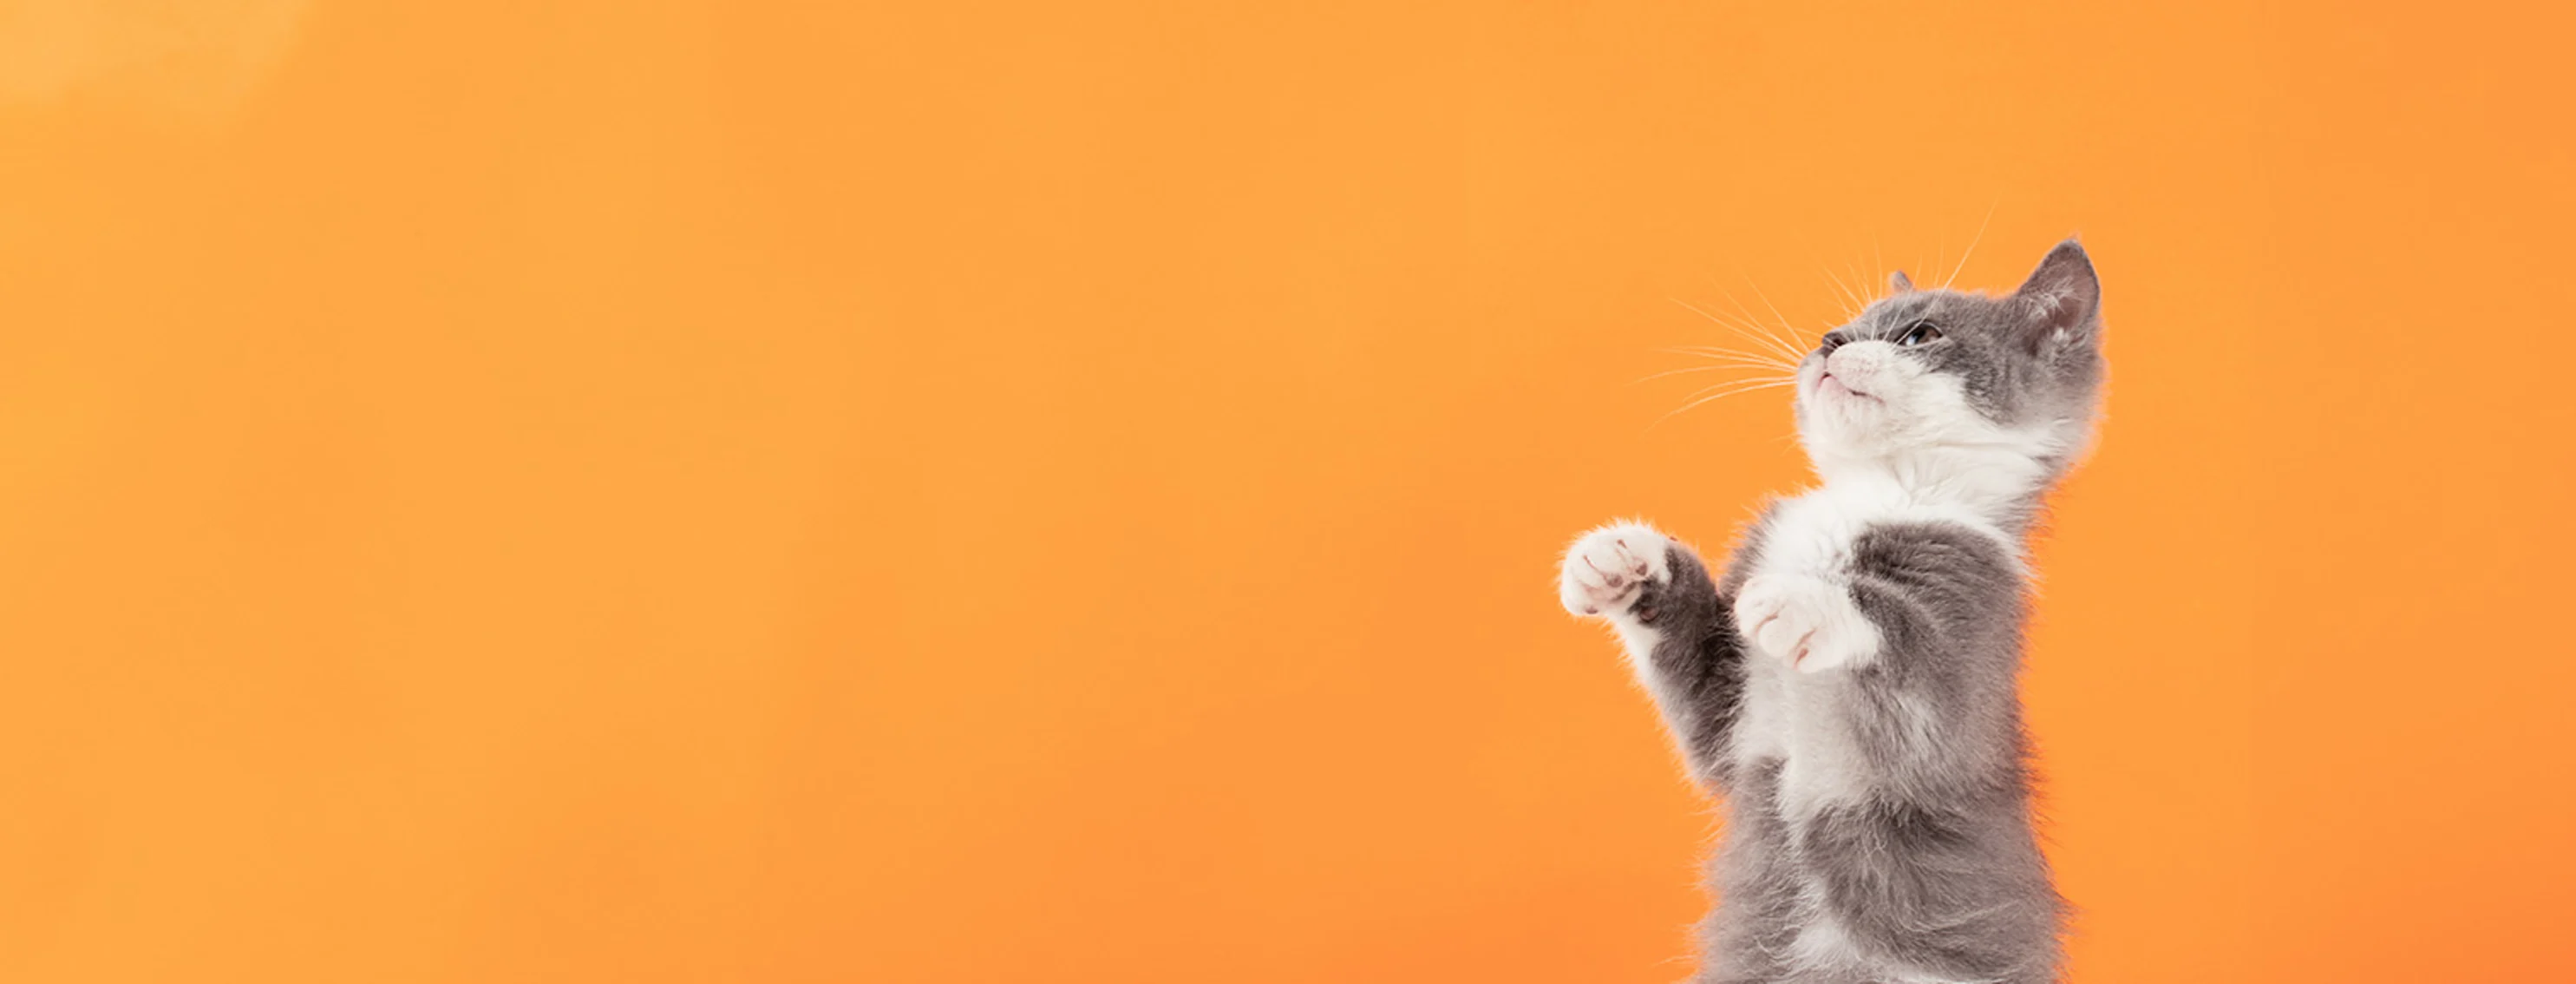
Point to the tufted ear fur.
(1899, 283)
(2063, 299)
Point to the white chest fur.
(1800, 718)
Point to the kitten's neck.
(2001, 483)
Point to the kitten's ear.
(1899, 283)
(2063, 298)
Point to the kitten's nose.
(1850, 361)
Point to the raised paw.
(1807, 621)
(1609, 568)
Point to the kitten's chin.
(1834, 415)
(1828, 438)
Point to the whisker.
(1716, 350)
(1744, 367)
(1788, 345)
(1688, 407)
(1873, 287)
(1793, 341)
(1972, 246)
(1730, 355)
(1734, 386)
(1775, 311)
(1688, 369)
(1722, 391)
(1763, 339)
(1739, 325)
(1851, 301)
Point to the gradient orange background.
(528, 491)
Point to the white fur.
(1806, 621)
(1822, 944)
(1893, 444)
(1915, 430)
(1604, 572)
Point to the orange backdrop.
(550, 491)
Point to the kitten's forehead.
(1953, 308)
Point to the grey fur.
(1934, 871)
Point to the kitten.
(1847, 684)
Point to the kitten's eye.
(1923, 333)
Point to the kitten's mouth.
(1828, 384)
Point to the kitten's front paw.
(1807, 621)
(1609, 568)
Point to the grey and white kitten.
(1847, 684)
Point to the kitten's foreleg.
(1937, 714)
(1657, 594)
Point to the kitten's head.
(1925, 369)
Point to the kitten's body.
(1847, 684)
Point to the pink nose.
(1843, 363)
